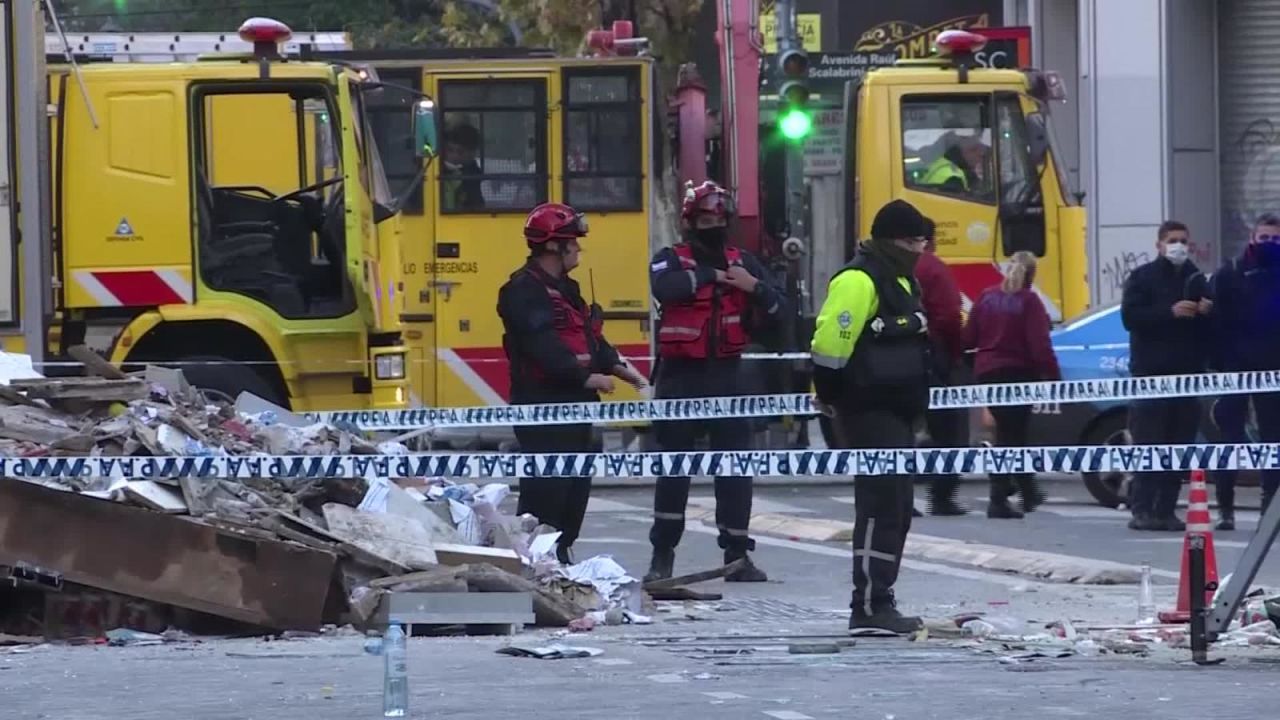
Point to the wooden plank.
(697, 577)
(165, 559)
(86, 389)
(95, 364)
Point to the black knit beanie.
(899, 219)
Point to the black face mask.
(713, 237)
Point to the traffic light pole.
(788, 39)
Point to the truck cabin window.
(1019, 181)
(946, 147)
(602, 148)
(391, 126)
(270, 198)
(494, 145)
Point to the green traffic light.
(795, 124)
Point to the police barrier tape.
(749, 463)
(750, 406)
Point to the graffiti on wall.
(1257, 190)
(1116, 270)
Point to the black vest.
(890, 366)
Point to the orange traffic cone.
(1198, 523)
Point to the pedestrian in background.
(1246, 325)
(941, 300)
(1164, 308)
(871, 373)
(1008, 329)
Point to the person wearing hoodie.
(1165, 307)
(872, 372)
(715, 299)
(1008, 329)
(942, 304)
(1246, 321)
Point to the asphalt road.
(712, 660)
(1070, 524)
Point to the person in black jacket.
(1246, 321)
(556, 348)
(1164, 308)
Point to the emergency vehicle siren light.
(795, 119)
(265, 34)
(959, 43)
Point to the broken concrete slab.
(451, 608)
(391, 536)
(402, 504)
(172, 560)
(502, 559)
(154, 495)
(30, 424)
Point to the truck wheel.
(1109, 489)
(222, 380)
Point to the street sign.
(824, 151)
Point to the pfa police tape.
(752, 406)
(759, 463)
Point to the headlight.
(389, 366)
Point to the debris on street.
(301, 554)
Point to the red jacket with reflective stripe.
(711, 324)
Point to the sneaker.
(884, 619)
(748, 573)
(662, 566)
(1227, 522)
(1003, 511)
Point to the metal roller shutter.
(1249, 102)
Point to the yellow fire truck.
(517, 128)
(973, 148)
(231, 215)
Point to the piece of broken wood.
(694, 578)
(95, 364)
(93, 390)
(682, 593)
(549, 609)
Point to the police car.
(1095, 346)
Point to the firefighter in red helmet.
(714, 297)
(556, 348)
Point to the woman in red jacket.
(1009, 331)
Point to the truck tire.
(1109, 489)
(223, 380)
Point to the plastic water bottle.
(395, 685)
(1146, 598)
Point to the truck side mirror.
(1037, 139)
(424, 129)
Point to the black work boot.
(884, 617)
(1032, 496)
(1144, 522)
(999, 507)
(564, 554)
(748, 573)
(1226, 519)
(942, 499)
(662, 566)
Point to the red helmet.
(554, 221)
(707, 199)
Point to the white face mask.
(1178, 253)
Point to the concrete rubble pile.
(89, 555)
